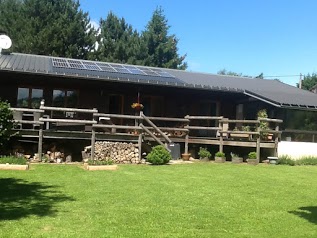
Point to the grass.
(191, 200)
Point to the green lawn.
(192, 200)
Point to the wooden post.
(276, 139)
(40, 145)
(187, 137)
(93, 140)
(140, 146)
(258, 144)
(221, 137)
(186, 143)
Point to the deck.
(202, 130)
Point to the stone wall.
(118, 152)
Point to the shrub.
(285, 160)
(99, 162)
(159, 155)
(12, 160)
(252, 155)
(307, 160)
(6, 123)
(204, 153)
(220, 154)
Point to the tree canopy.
(50, 27)
(162, 47)
(309, 81)
(61, 28)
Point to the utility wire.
(278, 76)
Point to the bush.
(252, 155)
(307, 160)
(12, 160)
(159, 155)
(285, 160)
(6, 123)
(220, 154)
(100, 162)
(204, 153)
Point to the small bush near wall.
(285, 160)
(12, 160)
(309, 160)
(6, 124)
(306, 160)
(159, 155)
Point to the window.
(29, 97)
(65, 98)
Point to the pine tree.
(162, 48)
(47, 27)
(118, 42)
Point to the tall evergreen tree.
(162, 47)
(47, 27)
(118, 42)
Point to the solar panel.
(91, 66)
(134, 70)
(114, 68)
(76, 64)
(150, 72)
(60, 63)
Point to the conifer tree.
(118, 42)
(162, 47)
(47, 27)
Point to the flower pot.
(237, 160)
(186, 157)
(220, 159)
(253, 161)
(204, 159)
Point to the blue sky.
(276, 37)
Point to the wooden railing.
(104, 123)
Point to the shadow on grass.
(20, 198)
(308, 213)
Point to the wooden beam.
(65, 109)
(155, 128)
(153, 136)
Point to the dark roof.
(270, 91)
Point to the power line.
(279, 76)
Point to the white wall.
(297, 149)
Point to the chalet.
(206, 100)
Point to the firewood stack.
(118, 152)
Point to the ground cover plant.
(188, 200)
(12, 160)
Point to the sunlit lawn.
(192, 200)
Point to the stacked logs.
(118, 152)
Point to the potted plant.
(252, 158)
(220, 157)
(264, 125)
(235, 158)
(204, 154)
